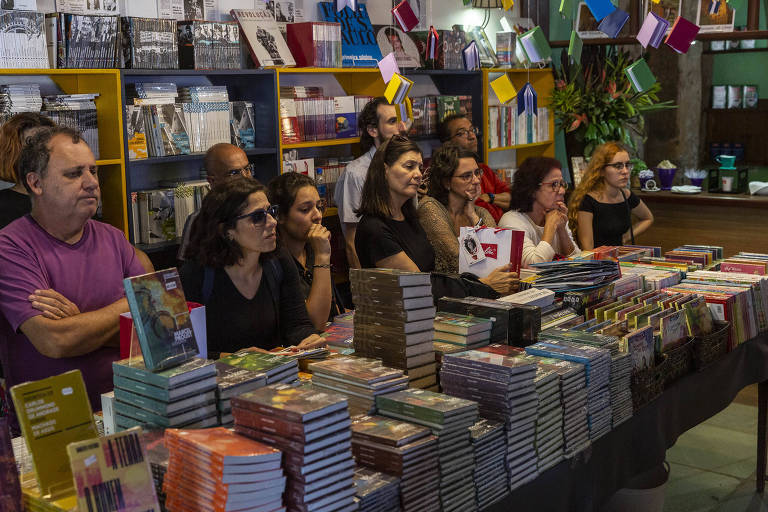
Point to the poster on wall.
(667, 9)
(715, 16)
(100, 7)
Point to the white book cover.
(268, 47)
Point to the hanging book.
(682, 35)
(612, 24)
(404, 16)
(161, 318)
(397, 89)
(471, 57)
(600, 8)
(575, 47)
(640, 76)
(358, 43)
(265, 42)
(566, 8)
(520, 55)
(433, 39)
(653, 30)
(404, 112)
(504, 89)
(388, 67)
(485, 49)
(535, 45)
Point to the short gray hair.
(36, 153)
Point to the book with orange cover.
(223, 445)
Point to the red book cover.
(301, 43)
(756, 268)
(682, 35)
(516, 252)
(404, 16)
(126, 328)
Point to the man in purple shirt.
(61, 272)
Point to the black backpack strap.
(273, 273)
(208, 274)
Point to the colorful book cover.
(698, 317)
(639, 344)
(461, 324)
(673, 330)
(161, 318)
(380, 429)
(113, 469)
(356, 369)
(223, 446)
(682, 35)
(260, 362)
(425, 405)
(232, 380)
(391, 39)
(358, 41)
(52, 413)
(612, 24)
(265, 41)
(294, 403)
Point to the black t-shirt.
(13, 205)
(609, 220)
(234, 322)
(377, 238)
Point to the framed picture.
(667, 9)
(586, 24)
(715, 16)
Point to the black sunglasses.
(259, 217)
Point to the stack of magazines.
(77, 111)
(15, 98)
(208, 45)
(85, 41)
(149, 43)
(561, 276)
(22, 39)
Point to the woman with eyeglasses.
(389, 234)
(309, 243)
(538, 208)
(454, 184)
(601, 207)
(250, 290)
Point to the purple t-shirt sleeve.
(20, 276)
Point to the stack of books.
(503, 384)
(149, 43)
(549, 422)
(449, 418)
(507, 128)
(597, 364)
(77, 111)
(490, 445)
(359, 379)
(404, 450)
(232, 381)
(15, 98)
(157, 456)
(466, 331)
(394, 321)
(182, 396)
(276, 368)
(23, 39)
(159, 215)
(376, 491)
(83, 41)
(312, 429)
(217, 469)
(208, 45)
(621, 392)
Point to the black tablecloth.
(588, 480)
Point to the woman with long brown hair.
(601, 208)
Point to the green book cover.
(52, 413)
(424, 405)
(380, 429)
(268, 364)
(189, 371)
(161, 318)
(575, 46)
(535, 45)
(640, 76)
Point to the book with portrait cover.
(113, 469)
(358, 41)
(267, 44)
(161, 318)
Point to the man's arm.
(75, 335)
(144, 260)
(349, 229)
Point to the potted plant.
(594, 101)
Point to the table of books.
(587, 481)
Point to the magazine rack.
(649, 383)
(711, 347)
(679, 362)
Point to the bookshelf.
(109, 112)
(543, 83)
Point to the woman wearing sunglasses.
(304, 237)
(454, 184)
(250, 290)
(601, 207)
(538, 204)
(389, 234)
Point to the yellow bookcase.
(105, 82)
(543, 83)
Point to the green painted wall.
(747, 68)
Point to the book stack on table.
(359, 379)
(468, 332)
(217, 469)
(490, 445)
(182, 396)
(449, 418)
(549, 422)
(311, 427)
(513, 324)
(232, 381)
(393, 321)
(376, 491)
(502, 383)
(277, 368)
(404, 450)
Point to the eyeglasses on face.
(259, 217)
(464, 132)
(246, 171)
(620, 166)
(556, 184)
(467, 176)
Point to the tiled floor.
(712, 466)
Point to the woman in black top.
(304, 237)
(14, 201)
(250, 291)
(600, 207)
(389, 234)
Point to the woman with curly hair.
(601, 207)
(250, 290)
(454, 184)
(538, 208)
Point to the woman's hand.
(320, 240)
(502, 280)
(53, 304)
(312, 341)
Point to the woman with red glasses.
(538, 208)
(602, 206)
(250, 290)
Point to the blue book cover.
(613, 23)
(358, 41)
(600, 8)
(345, 116)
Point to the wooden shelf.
(521, 146)
(327, 70)
(110, 161)
(746, 50)
(202, 72)
(322, 143)
(48, 71)
(195, 156)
